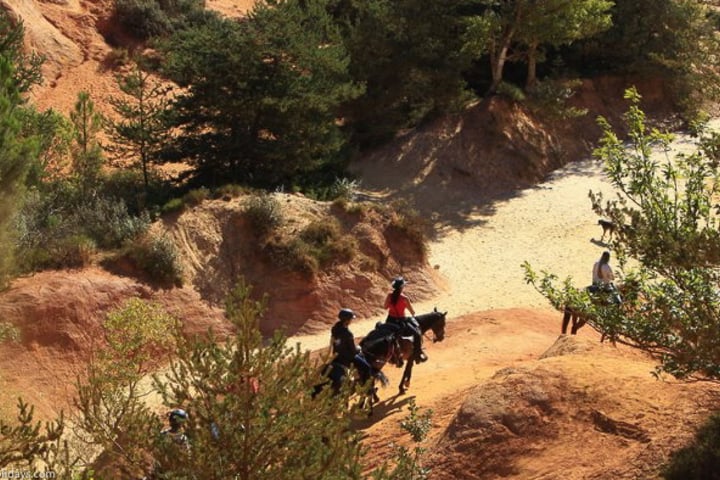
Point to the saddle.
(380, 342)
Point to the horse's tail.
(384, 381)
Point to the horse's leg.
(578, 323)
(406, 376)
(566, 320)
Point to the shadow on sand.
(382, 409)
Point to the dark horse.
(608, 295)
(388, 343)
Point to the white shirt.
(602, 274)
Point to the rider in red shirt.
(397, 303)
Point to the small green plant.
(344, 188)
(408, 464)
(75, 251)
(295, 255)
(228, 191)
(158, 257)
(511, 91)
(264, 213)
(108, 222)
(550, 98)
(327, 242)
(408, 222)
(196, 196)
(173, 205)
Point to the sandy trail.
(550, 225)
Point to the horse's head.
(434, 321)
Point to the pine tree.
(251, 412)
(142, 132)
(87, 154)
(17, 154)
(261, 97)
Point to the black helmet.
(346, 314)
(177, 416)
(398, 283)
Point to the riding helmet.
(346, 314)
(398, 282)
(177, 416)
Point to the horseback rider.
(396, 303)
(603, 278)
(343, 346)
(176, 432)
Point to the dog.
(608, 228)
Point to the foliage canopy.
(668, 245)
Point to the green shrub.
(229, 191)
(75, 251)
(550, 99)
(344, 188)
(196, 196)
(295, 255)
(158, 257)
(511, 91)
(327, 243)
(701, 459)
(264, 213)
(143, 18)
(108, 222)
(410, 224)
(173, 205)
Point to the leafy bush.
(157, 256)
(56, 228)
(173, 205)
(344, 188)
(319, 245)
(327, 243)
(143, 18)
(701, 459)
(230, 190)
(511, 91)
(295, 255)
(196, 196)
(75, 251)
(264, 213)
(410, 224)
(108, 222)
(147, 19)
(550, 97)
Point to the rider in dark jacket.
(343, 341)
(343, 346)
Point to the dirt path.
(550, 225)
(495, 319)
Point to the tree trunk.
(532, 67)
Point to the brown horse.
(387, 343)
(608, 296)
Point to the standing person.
(396, 304)
(602, 275)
